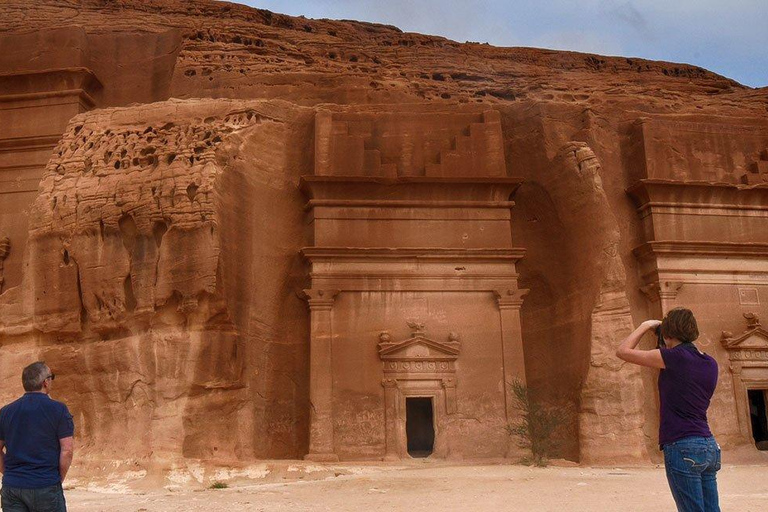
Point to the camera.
(659, 338)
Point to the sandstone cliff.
(157, 266)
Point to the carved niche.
(748, 354)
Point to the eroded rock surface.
(153, 254)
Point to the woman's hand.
(651, 325)
(630, 354)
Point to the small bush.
(218, 485)
(538, 425)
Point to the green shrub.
(538, 425)
(218, 485)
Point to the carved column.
(509, 302)
(321, 376)
(391, 450)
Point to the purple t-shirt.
(686, 386)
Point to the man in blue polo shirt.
(36, 433)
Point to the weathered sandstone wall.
(155, 236)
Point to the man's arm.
(2, 456)
(67, 445)
(628, 352)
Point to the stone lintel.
(316, 254)
(703, 262)
(391, 269)
(702, 248)
(421, 190)
(654, 193)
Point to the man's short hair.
(680, 324)
(33, 376)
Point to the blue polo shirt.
(31, 428)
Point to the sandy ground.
(421, 486)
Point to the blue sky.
(727, 37)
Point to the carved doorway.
(419, 392)
(758, 414)
(748, 355)
(420, 426)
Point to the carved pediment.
(752, 344)
(418, 348)
(755, 338)
(418, 353)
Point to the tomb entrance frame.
(417, 367)
(409, 201)
(748, 355)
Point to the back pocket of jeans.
(694, 457)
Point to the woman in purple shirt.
(686, 383)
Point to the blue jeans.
(692, 464)
(47, 499)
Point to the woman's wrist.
(650, 325)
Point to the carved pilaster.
(513, 359)
(321, 447)
(319, 300)
(510, 299)
(740, 394)
(662, 295)
(390, 418)
(662, 290)
(449, 385)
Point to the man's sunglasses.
(52, 376)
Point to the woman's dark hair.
(680, 324)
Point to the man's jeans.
(692, 464)
(47, 499)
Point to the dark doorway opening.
(759, 417)
(419, 426)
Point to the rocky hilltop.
(179, 179)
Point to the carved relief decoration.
(417, 366)
(748, 353)
(752, 344)
(418, 353)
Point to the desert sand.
(425, 485)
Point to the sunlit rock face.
(237, 235)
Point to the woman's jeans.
(692, 464)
